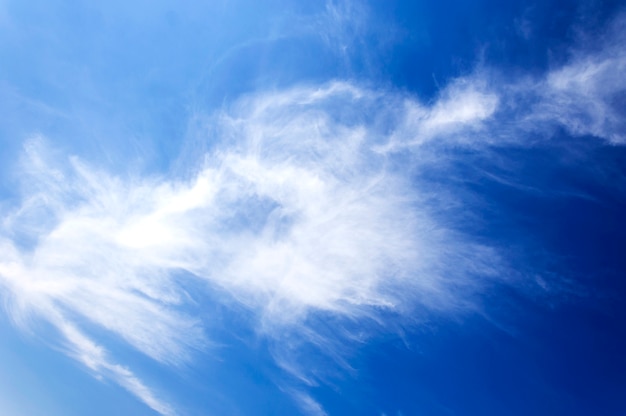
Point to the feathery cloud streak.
(302, 205)
(293, 212)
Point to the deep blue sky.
(287, 207)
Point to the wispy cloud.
(304, 206)
(458, 115)
(292, 213)
(588, 95)
(308, 404)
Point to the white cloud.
(301, 209)
(293, 214)
(308, 404)
(94, 357)
(587, 95)
(457, 115)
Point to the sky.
(283, 207)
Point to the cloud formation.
(304, 205)
(588, 95)
(293, 212)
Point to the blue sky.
(282, 207)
